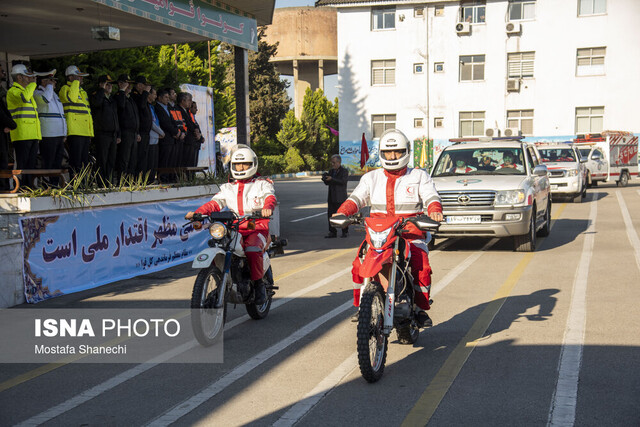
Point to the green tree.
(293, 136)
(318, 113)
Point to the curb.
(296, 175)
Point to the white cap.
(22, 69)
(72, 70)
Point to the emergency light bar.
(487, 139)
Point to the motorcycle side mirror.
(340, 221)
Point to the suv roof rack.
(487, 139)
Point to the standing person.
(171, 132)
(52, 123)
(336, 179)
(129, 120)
(7, 124)
(79, 120)
(180, 119)
(399, 192)
(24, 112)
(199, 136)
(155, 134)
(247, 193)
(140, 96)
(107, 127)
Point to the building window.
(472, 11)
(521, 120)
(590, 61)
(438, 122)
(589, 119)
(438, 67)
(522, 9)
(383, 18)
(471, 123)
(520, 64)
(418, 68)
(438, 10)
(471, 68)
(418, 123)
(591, 7)
(382, 122)
(383, 72)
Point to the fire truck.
(612, 156)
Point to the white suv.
(567, 170)
(497, 188)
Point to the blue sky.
(330, 82)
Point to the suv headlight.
(509, 197)
(217, 230)
(572, 172)
(378, 238)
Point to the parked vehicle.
(612, 156)
(567, 170)
(387, 301)
(503, 190)
(224, 276)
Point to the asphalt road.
(544, 338)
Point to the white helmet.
(393, 139)
(243, 154)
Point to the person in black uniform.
(140, 96)
(336, 179)
(106, 127)
(129, 120)
(166, 145)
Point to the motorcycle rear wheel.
(258, 312)
(207, 322)
(371, 341)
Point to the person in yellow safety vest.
(23, 110)
(79, 121)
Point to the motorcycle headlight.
(378, 238)
(572, 172)
(217, 230)
(509, 197)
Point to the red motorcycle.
(388, 295)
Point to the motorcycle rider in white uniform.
(399, 191)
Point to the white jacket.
(243, 198)
(50, 112)
(413, 192)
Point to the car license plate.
(554, 187)
(463, 219)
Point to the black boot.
(260, 291)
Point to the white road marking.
(300, 409)
(216, 387)
(312, 398)
(109, 384)
(631, 231)
(563, 404)
(308, 217)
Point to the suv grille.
(459, 199)
(556, 173)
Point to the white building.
(449, 69)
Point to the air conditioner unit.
(513, 85)
(418, 12)
(492, 132)
(463, 28)
(511, 132)
(513, 27)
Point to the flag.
(333, 131)
(364, 152)
(423, 154)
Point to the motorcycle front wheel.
(372, 342)
(207, 322)
(258, 312)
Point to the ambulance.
(611, 156)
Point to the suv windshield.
(584, 152)
(495, 161)
(557, 155)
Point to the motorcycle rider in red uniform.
(246, 194)
(399, 191)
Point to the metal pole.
(209, 51)
(241, 60)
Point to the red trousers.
(254, 245)
(421, 271)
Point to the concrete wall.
(553, 93)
